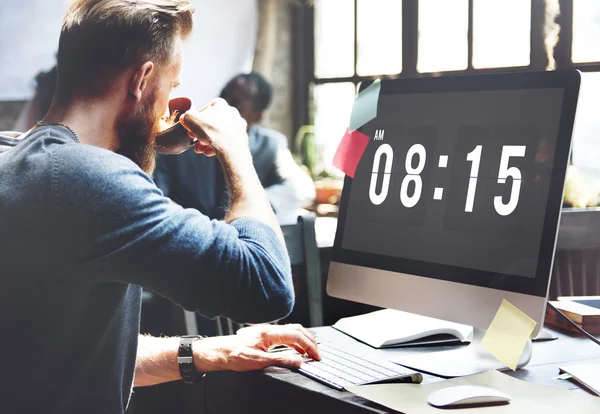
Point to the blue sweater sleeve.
(119, 227)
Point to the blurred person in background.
(38, 106)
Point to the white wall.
(222, 45)
(29, 31)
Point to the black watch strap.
(185, 359)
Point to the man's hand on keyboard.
(249, 349)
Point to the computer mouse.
(466, 395)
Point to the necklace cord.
(42, 123)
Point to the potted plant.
(328, 182)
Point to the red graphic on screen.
(351, 148)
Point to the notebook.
(587, 375)
(392, 328)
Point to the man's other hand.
(249, 349)
(219, 128)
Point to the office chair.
(302, 247)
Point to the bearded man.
(83, 227)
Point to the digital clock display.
(457, 178)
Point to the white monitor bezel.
(462, 302)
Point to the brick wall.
(273, 59)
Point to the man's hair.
(264, 91)
(44, 91)
(101, 38)
(257, 88)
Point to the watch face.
(185, 359)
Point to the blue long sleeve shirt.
(82, 230)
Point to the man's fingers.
(253, 359)
(210, 152)
(294, 336)
(203, 122)
(281, 359)
(307, 332)
(306, 335)
(298, 348)
(310, 346)
(220, 125)
(193, 122)
(202, 148)
(300, 342)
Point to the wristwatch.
(185, 359)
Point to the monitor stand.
(544, 335)
(458, 362)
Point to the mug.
(175, 139)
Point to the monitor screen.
(461, 184)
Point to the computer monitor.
(456, 201)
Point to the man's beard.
(137, 134)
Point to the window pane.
(586, 135)
(443, 27)
(586, 31)
(501, 33)
(332, 105)
(334, 38)
(379, 37)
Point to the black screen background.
(451, 124)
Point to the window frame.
(304, 47)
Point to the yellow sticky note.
(508, 333)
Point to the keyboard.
(340, 368)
